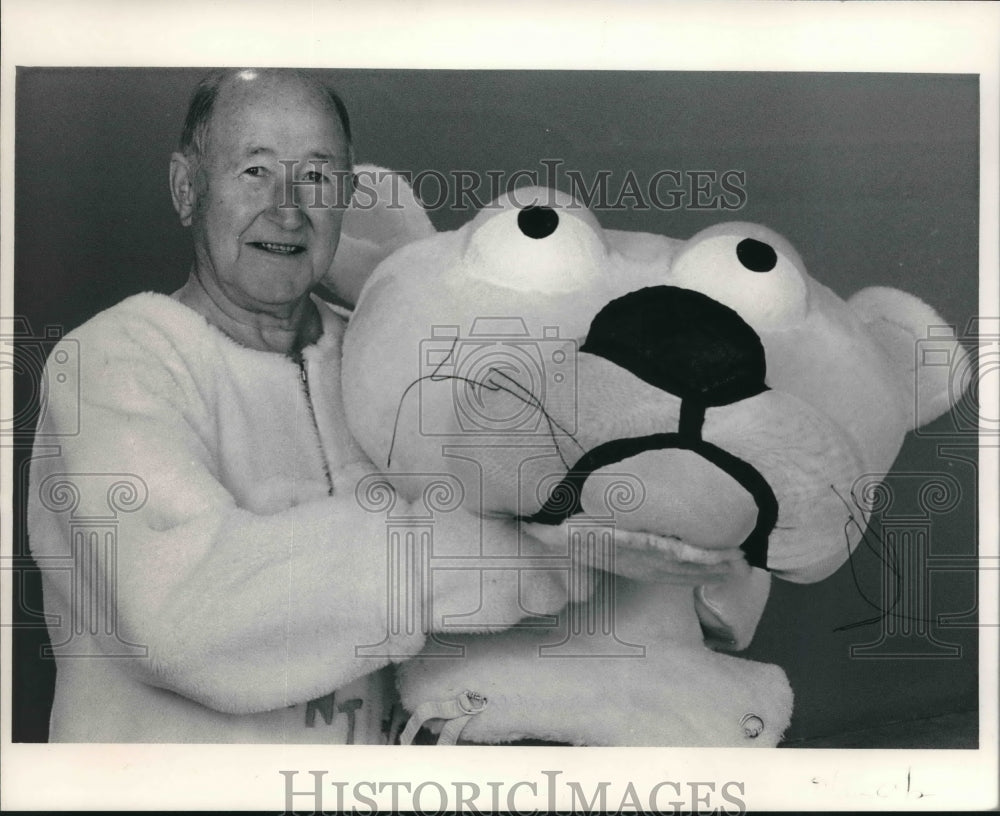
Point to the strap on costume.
(457, 711)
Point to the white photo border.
(749, 36)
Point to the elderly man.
(243, 575)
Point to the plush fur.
(505, 353)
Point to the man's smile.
(277, 248)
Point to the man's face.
(271, 195)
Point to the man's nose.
(683, 342)
(285, 208)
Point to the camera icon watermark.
(503, 379)
(47, 366)
(969, 377)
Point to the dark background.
(874, 177)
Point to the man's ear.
(923, 348)
(182, 187)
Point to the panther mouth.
(702, 352)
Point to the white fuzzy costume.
(240, 573)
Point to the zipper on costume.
(300, 359)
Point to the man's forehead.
(259, 98)
(319, 153)
(253, 117)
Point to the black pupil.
(756, 255)
(538, 222)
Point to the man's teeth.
(282, 249)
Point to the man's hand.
(649, 557)
(345, 480)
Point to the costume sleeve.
(238, 611)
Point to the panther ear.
(384, 215)
(922, 348)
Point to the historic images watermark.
(547, 793)
(666, 189)
(319, 183)
(45, 366)
(903, 508)
(968, 376)
(500, 354)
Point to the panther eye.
(758, 275)
(537, 222)
(756, 255)
(534, 247)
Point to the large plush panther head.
(531, 351)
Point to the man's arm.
(239, 611)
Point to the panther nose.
(683, 342)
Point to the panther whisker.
(516, 390)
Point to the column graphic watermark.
(91, 504)
(409, 541)
(903, 508)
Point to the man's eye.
(255, 171)
(314, 176)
